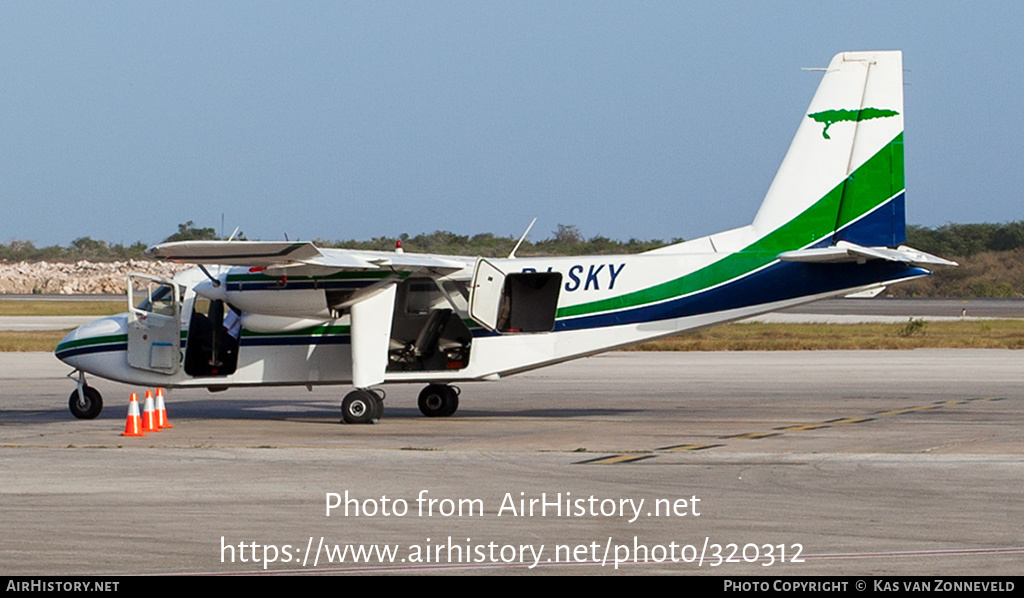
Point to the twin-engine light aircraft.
(289, 313)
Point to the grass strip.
(914, 334)
(30, 340)
(61, 308)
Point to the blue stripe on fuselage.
(780, 281)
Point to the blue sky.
(338, 120)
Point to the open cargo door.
(516, 302)
(485, 295)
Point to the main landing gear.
(366, 406)
(439, 400)
(362, 406)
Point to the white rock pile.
(83, 277)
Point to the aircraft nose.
(65, 350)
(99, 335)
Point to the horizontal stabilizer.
(866, 294)
(844, 251)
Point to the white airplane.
(289, 313)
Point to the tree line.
(565, 240)
(991, 256)
(948, 240)
(965, 240)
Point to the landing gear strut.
(85, 402)
(439, 400)
(362, 406)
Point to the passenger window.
(422, 297)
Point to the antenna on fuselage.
(512, 255)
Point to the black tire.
(378, 404)
(90, 405)
(361, 407)
(438, 400)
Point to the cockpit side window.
(157, 298)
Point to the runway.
(855, 463)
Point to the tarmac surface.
(802, 463)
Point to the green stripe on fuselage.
(92, 340)
(322, 330)
(876, 181)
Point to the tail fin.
(842, 178)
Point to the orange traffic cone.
(149, 414)
(161, 410)
(133, 426)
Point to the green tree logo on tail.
(830, 117)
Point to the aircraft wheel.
(89, 406)
(438, 400)
(378, 403)
(361, 407)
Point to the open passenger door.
(154, 323)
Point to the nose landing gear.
(85, 401)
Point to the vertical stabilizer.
(842, 178)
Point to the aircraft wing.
(844, 251)
(269, 254)
(234, 253)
